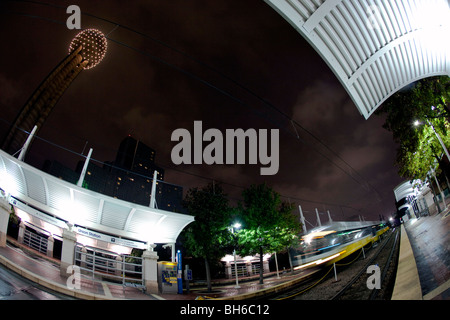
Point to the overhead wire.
(360, 180)
(168, 167)
(363, 182)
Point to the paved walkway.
(423, 272)
(430, 241)
(407, 282)
(45, 271)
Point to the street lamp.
(237, 225)
(417, 123)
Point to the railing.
(35, 241)
(98, 264)
(255, 268)
(241, 269)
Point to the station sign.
(37, 214)
(80, 230)
(109, 238)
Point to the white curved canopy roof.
(374, 47)
(86, 208)
(404, 190)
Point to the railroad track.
(352, 276)
(358, 288)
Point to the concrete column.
(173, 252)
(4, 220)
(249, 268)
(83, 258)
(228, 272)
(50, 243)
(266, 266)
(118, 266)
(150, 259)
(68, 251)
(21, 232)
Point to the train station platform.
(423, 272)
(45, 271)
(424, 262)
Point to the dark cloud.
(230, 55)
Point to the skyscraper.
(135, 156)
(128, 178)
(86, 50)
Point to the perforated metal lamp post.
(237, 226)
(417, 123)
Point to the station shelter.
(82, 228)
(245, 266)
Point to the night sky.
(230, 64)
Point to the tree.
(428, 101)
(286, 233)
(208, 236)
(416, 163)
(267, 223)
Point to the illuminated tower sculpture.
(86, 50)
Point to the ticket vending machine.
(167, 277)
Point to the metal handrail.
(35, 241)
(108, 267)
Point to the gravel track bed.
(329, 287)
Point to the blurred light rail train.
(330, 243)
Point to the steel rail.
(343, 290)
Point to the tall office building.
(137, 157)
(86, 50)
(128, 178)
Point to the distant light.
(416, 123)
(237, 225)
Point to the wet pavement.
(430, 241)
(43, 271)
(15, 287)
(429, 237)
(37, 268)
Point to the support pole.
(440, 190)
(237, 286)
(26, 144)
(318, 218)
(335, 273)
(153, 195)
(329, 216)
(173, 252)
(302, 220)
(85, 166)
(440, 140)
(276, 264)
